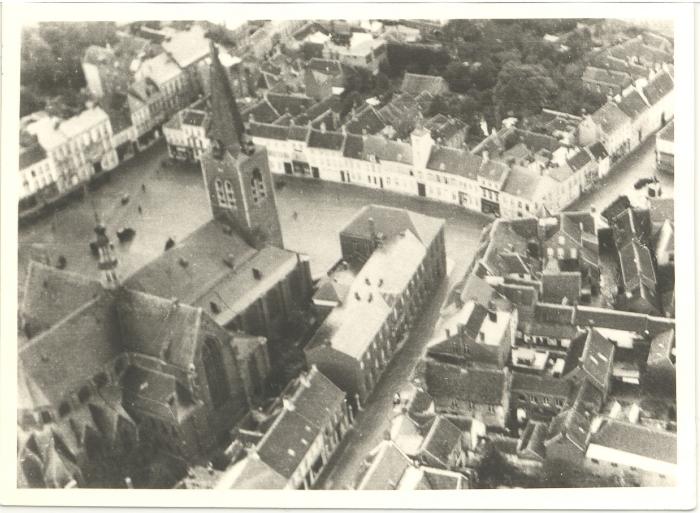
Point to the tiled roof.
(268, 131)
(386, 469)
(598, 150)
(493, 170)
(317, 398)
(480, 386)
(416, 84)
(597, 358)
(610, 118)
(662, 347)
(522, 182)
(262, 112)
(251, 473)
(285, 445)
(202, 253)
(638, 440)
(571, 424)
(580, 159)
(293, 104)
(658, 87)
(367, 121)
(193, 117)
(391, 222)
(547, 385)
(606, 77)
(454, 161)
(441, 440)
(87, 338)
(50, 295)
(557, 314)
(557, 286)
(532, 440)
(326, 140)
(380, 148)
(354, 147)
(31, 155)
(633, 104)
(159, 327)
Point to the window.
(574, 253)
(220, 194)
(230, 194)
(217, 381)
(560, 253)
(257, 186)
(561, 240)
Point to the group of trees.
(51, 75)
(504, 67)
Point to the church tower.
(236, 172)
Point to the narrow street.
(641, 163)
(374, 420)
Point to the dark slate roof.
(658, 87)
(637, 266)
(610, 118)
(606, 77)
(521, 182)
(87, 339)
(441, 440)
(571, 424)
(637, 439)
(285, 445)
(268, 131)
(293, 104)
(159, 327)
(554, 313)
(354, 147)
(193, 117)
(390, 222)
(598, 150)
(579, 160)
(415, 84)
(263, 112)
(298, 133)
(597, 358)
(204, 251)
(531, 443)
(381, 148)
(50, 295)
(317, 398)
(546, 385)
(31, 155)
(633, 104)
(367, 121)
(661, 347)
(520, 295)
(481, 386)
(557, 286)
(326, 140)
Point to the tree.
(523, 88)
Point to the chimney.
(288, 404)
(304, 379)
(493, 314)
(257, 274)
(372, 228)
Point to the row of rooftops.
(633, 102)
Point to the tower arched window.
(257, 185)
(220, 193)
(230, 195)
(215, 372)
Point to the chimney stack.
(493, 314)
(372, 228)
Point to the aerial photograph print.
(391, 254)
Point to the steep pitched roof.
(415, 84)
(326, 140)
(50, 295)
(386, 469)
(557, 286)
(610, 118)
(633, 104)
(441, 440)
(480, 386)
(227, 124)
(637, 439)
(390, 222)
(666, 133)
(658, 87)
(455, 161)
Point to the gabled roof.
(49, 295)
(610, 118)
(661, 349)
(268, 131)
(455, 161)
(289, 103)
(326, 140)
(480, 386)
(579, 160)
(598, 150)
(415, 84)
(570, 424)
(557, 286)
(390, 222)
(606, 77)
(666, 133)
(441, 440)
(386, 469)
(368, 121)
(633, 104)
(354, 147)
(637, 439)
(262, 112)
(326, 66)
(597, 358)
(546, 385)
(658, 87)
(251, 473)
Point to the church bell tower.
(236, 172)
